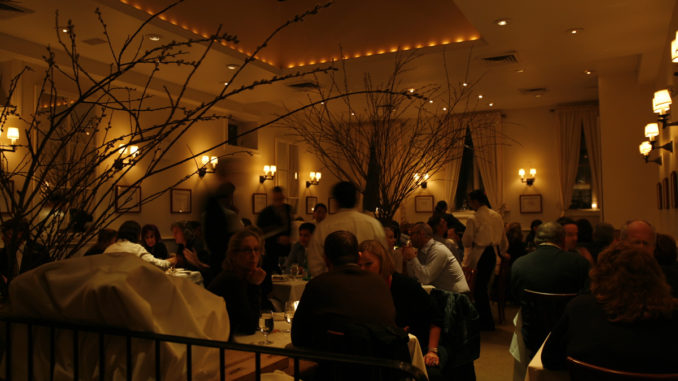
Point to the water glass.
(266, 326)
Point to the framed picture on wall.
(5, 202)
(310, 204)
(259, 202)
(530, 203)
(127, 199)
(332, 205)
(667, 193)
(674, 190)
(423, 204)
(659, 196)
(180, 201)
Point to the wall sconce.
(128, 154)
(13, 136)
(645, 148)
(424, 183)
(529, 180)
(661, 105)
(674, 49)
(651, 132)
(209, 163)
(315, 179)
(269, 173)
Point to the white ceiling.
(616, 35)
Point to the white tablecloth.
(193, 276)
(536, 371)
(281, 339)
(288, 290)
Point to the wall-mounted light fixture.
(128, 155)
(674, 49)
(13, 136)
(424, 180)
(528, 180)
(645, 148)
(269, 173)
(661, 105)
(209, 163)
(314, 179)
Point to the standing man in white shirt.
(433, 263)
(347, 218)
(484, 240)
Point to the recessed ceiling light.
(225, 83)
(588, 72)
(521, 70)
(232, 66)
(502, 22)
(352, 114)
(430, 101)
(411, 90)
(491, 104)
(538, 95)
(444, 108)
(480, 96)
(64, 29)
(464, 84)
(575, 30)
(154, 37)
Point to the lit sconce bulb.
(425, 176)
(594, 205)
(645, 148)
(273, 169)
(661, 103)
(205, 160)
(416, 177)
(134, 150)
(267, 169)
(521, 173)
(674, 49)
(651, 131)
(533, 172)
(121, 149)
(312, 175)
(13, 134)
(214, 161)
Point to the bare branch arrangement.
(386, 141)
(63, 180)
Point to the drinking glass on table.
(266, 326)
(294, 270)
(290, 308)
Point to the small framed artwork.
(259, 202)
(332, 205)
(660, 197)
(127, 199)
(674, 190)
(5, 202)
(310, 204)
(667, 193)
(180, 201)
(530, 203)
(423, 204)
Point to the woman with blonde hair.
(628, 323)
(415, 311)
(239, 283)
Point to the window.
(582, 193)
(287, 175)
(469, 175)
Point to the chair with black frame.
(540, 312)
(363, 339)
(582, 371)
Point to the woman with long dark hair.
(628, 323)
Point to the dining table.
(287, 288)
(281, 338)
(537, 372)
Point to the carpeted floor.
(495, 362)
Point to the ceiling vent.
(94, 41)
(509, 58)
(11, 8)
(533, 91)
(304, 85)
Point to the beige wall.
(628, 182)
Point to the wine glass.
(294, 270)
(266, 326)
(281, 264)
(289, 312)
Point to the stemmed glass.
(289, 313)
(266, 326)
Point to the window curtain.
(486, 132)
(571, 120)
(452, 170)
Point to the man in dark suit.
(548, 269)
(20, 254)
(276, 223)
(349, 300)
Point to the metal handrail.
(407, 369)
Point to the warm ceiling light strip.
(197, 32)
(393, 49)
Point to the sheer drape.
(452, 170)
(486, 132)
(571, 120)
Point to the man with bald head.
(639, 233)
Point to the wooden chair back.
(582, 371)
(541, 311)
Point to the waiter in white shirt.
(484, 239)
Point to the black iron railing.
(402, 369)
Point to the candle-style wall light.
(269, 173)
(314, 179)
(527, 180)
